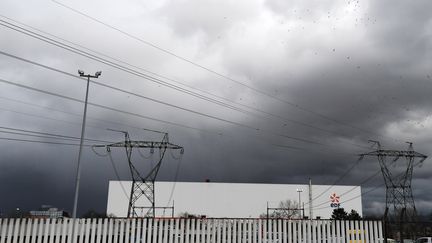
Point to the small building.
(48, 212)
(236, 200)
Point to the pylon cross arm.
(395, 153)
(142, 144)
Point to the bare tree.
(287, 209)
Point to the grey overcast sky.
(296, 90)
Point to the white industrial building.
(235, 200)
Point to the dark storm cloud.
(361, 64)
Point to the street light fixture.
(78, 172)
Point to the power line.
(39, 116)
(297, 106)
(117, 175)
(140, 128)
(42, 142)
(26, 132)
(108, 153)
(353, 198)
(153, 73)
(364, 193)
(96, 119)
(167, 104)
(153, 79)
(352, 189)
(66, 137)
(133, 72)
(177, 172)
(336, 181)
(117, 66)
(340, 178)
(99, 106)
(281, 118)
(132, 114)
(67, 113)
(185, 109)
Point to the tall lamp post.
(78, 171)
(299, 200)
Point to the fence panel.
(180, 230)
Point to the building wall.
(233, 200)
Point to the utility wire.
(177, 172)
(97, 105)
(128, 113)
(281, 118)
(47, 135)
(145, 70)
(116, 65)
(339, 179)
(109, 63)
(94, 104)
(352, 189)
(159, 81)
(37, 136)
(56, 136)
(117, 174)
(41, 117)
(139, 128)
(93, 118)
(239, 124)
(353, 198)
(68, 113)
(167, 104)
(297, 106)
(364, 193)
(336, 181)
(42, 142)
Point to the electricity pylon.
(400, 206)
(142, 185)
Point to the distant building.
(47, 211)
(236, 200)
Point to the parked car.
(424, 240)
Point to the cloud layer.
(308, 85)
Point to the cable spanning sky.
(255, 91)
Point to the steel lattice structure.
(400, 206)
(143, 185)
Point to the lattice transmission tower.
(142, 185)
(400, 206)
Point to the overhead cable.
(259, 91)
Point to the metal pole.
(267, 211)
(299, 200)
(78, 171)
(303, 211)
(310, 200)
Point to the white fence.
(188, 231)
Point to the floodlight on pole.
(78, 171)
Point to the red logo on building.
(335, 200)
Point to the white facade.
(234, 200)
